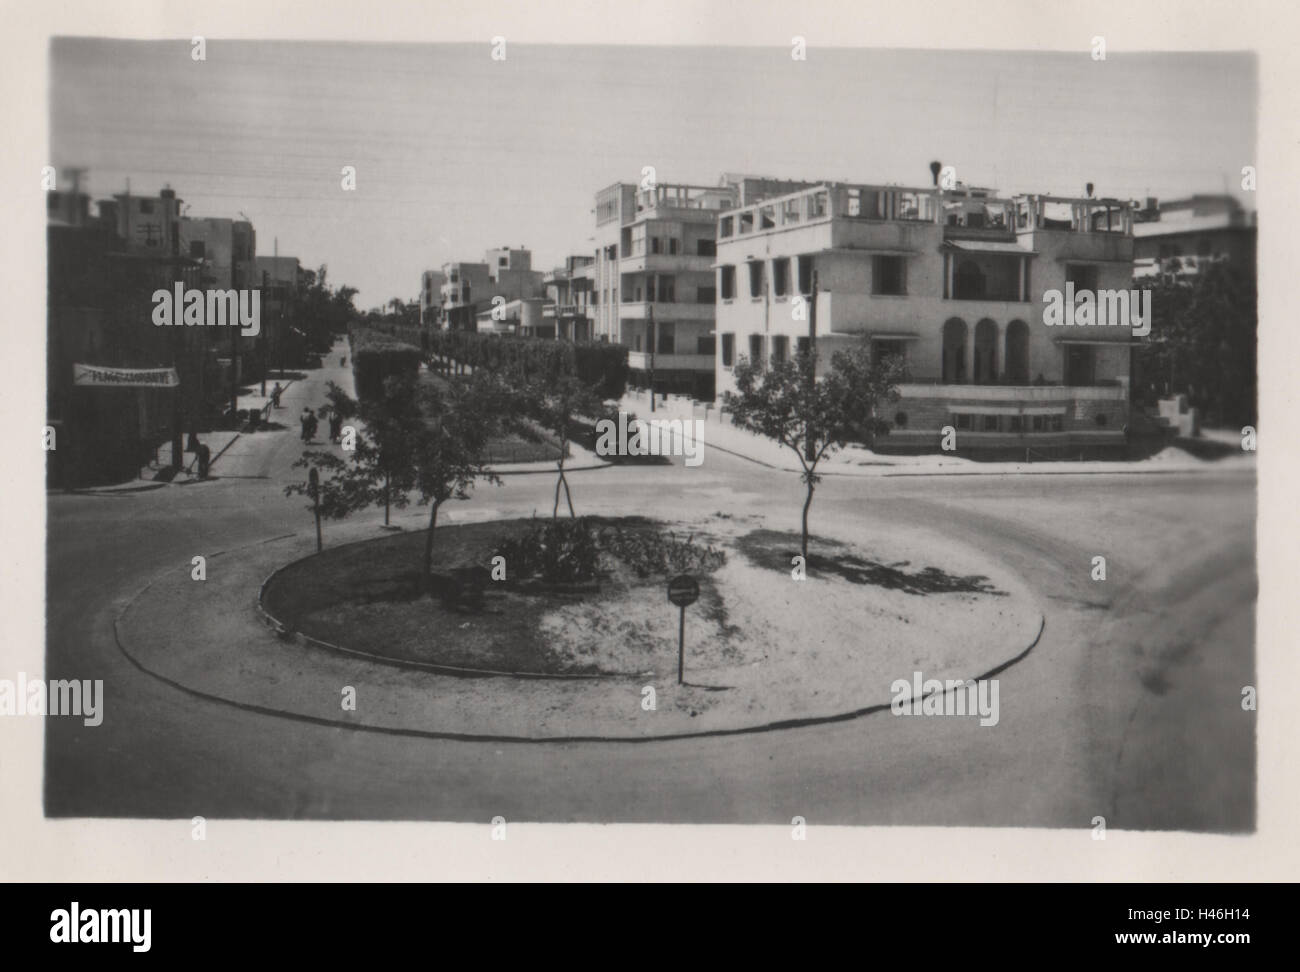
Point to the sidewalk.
(853, 460)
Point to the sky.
(456, 152)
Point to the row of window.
(888, 277)
(966, 422)
(666, 341)
(780, 348)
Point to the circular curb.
(795, 723)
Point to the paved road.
(1127, 709)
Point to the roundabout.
(523, 660)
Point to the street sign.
(683, 590)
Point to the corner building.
(952, 282)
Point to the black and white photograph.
(815, 432)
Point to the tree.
(1203, 343)
(556, 400)
(451, 453)
(380, 470)
(809, 415)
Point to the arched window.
(968, 281)
(986, 352)
(954, 351)
(1016, 359)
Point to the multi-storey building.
(653, 286)
(471, 287)
(653, 279)
(569, 292)
(431, 282)
(951, 282)
(1177, 237)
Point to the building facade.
(953, 284)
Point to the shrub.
(655, 553)
(557, 551)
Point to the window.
(706, 248)
(728, 282)
(781, 276)
(654, 244)
(503, 261)
(756, 349)
(636, 344)
(887, 276)
(1082, 275)
(1058, 422)
(1040, 423)
(990, 423)
(725, 227)
(886, 350)
(666, 342)
(706, 295)
(198, 249)
(747, 222)
(755, 278)
(963, 422)
(673, 245)
(728, 350)
(1016, 423)
(146, 206)
(801, 346)
(705, 344)
(855, 202)
(900, 419)
(1080, 364)
(780, 348)
(805, 275)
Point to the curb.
(796, 723)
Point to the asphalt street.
(1128, 708)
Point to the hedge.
(377, 356)
(598, 364)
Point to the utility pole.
(650, 309)
(812, 357)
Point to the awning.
(989, 246)
(891, 336)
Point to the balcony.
(1020, 392)
(666, 263)
(665, 311)
(640, 361)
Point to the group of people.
(308, 419)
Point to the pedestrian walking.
(306, 419)
(336, 425)
(275, 395)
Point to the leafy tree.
(452, 452)
(380, 471)
(813, 416)
(1203, 343)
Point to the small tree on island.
(439, 457)
(813, 416)
(380, 470)
(556, 401)
(452, 452)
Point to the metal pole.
(313, 479)
(681, 644)
(651, 311)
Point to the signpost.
(682, 590)
(313, 481)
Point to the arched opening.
(1016, 359)
(954, 351)
(968, 281)
(986, 352)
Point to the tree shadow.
(775, 550)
